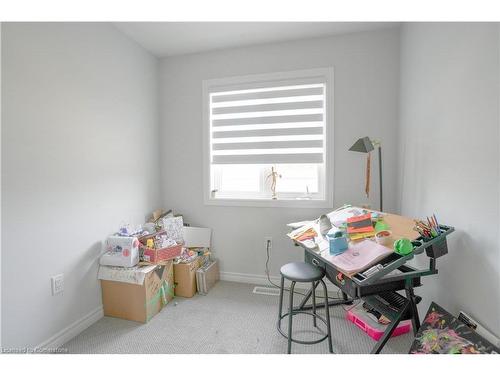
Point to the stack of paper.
(306, 232)
(359, 256)
(360, 227)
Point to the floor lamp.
(366, 145)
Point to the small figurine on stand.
(274, 175)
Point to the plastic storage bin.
(375, 330)
(120, 252)
(155, 256)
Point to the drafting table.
(380, 289)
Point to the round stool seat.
(302, 272)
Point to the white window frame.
(283, 200)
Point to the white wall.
(0, 185)
(79, 156)
(366, 103)
(450, 157)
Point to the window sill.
(295, 203)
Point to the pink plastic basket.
(158, 255)
(161, 255)
(373, 329)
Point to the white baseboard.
(248, 278)
(66, 334)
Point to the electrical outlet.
(268, 240)
(57, 284)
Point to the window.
(268, 139)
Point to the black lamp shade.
(362, 145)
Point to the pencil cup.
(338, 243)
(384, 237)
(437, 249)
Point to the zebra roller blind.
(268, 122)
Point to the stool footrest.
(295, 312)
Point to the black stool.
(303, 273)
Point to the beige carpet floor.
(230, 319)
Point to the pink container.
(374, 329)
(156, 256)
(161, 255)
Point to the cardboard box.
(137, 293)
(185, 278)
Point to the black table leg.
(331, 302)
(347, 300)
(413, 308)
(388, 331)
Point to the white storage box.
(197, 237)
(121, 251)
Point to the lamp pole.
(378, 144)
(366, 145)
(380, 174)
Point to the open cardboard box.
(185, 278)
(137, 293)
(185, 273)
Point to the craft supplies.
(359, 227)
(428, 229)
(158, 247)
(338, 242)
(359, 224)
(361, 236)
(403, 246)
(127, 230)
(384, 237)
(307, 232)
(381, 225)
(173, 228)
(120, 251)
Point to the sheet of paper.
(294, 234)
(359, 256)
(299, 224)
(340, 216)
(322, 243)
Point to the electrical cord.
(268, 245)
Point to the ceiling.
(177, 38)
